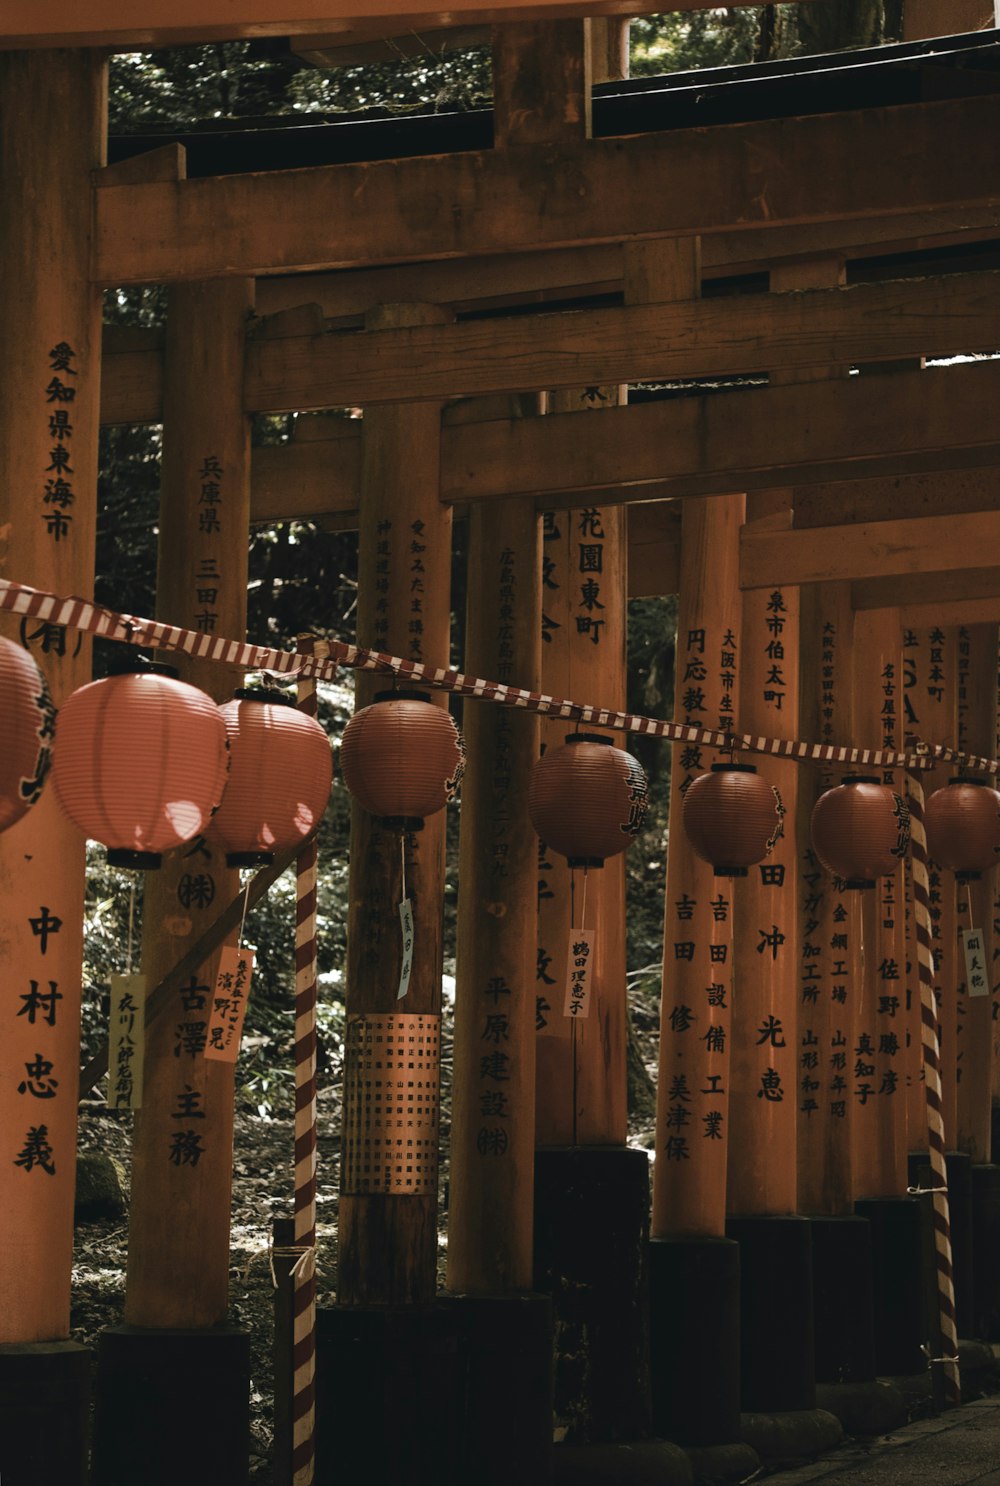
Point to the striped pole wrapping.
(948, 1362)
(304, 1271)
(79, 614)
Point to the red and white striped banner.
(79, 614)
(948, 1360)
(304, 1271)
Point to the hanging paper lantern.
(860, 830)
(28, 727)
(280, 771)
(402, 758)
(733, 818)
(140, 762)
(587, 799)
(963, 827)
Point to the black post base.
(160, 1391)
(985, 1248)
(387, 1404)
(504, 1373)
(959, 1168)
(591, 1241)
(842, 1300)
(694, 1339)
(776, 1313)
(903, 1278)
(44, 1413)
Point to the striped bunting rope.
(948, 1362)
(304, 1292)
(79, 614)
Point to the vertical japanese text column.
(52, 128)
(176, 1343)
(388, 1208)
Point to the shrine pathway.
(959, 1448)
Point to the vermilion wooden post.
(881, 1061)
(52, 126)
(829, 921)
(977, 731)
(388, 1234)
(177, 1288)
(493, 1128)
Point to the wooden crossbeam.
(897, 497)
(872, 162)
(630, 343)
(969, 590)
(874, 550)
(878, 429)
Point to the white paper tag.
(579, 964)
(229, 1004)
(406, 925)
(977, 980)
(126, 1030)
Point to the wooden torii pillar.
(176, 1334)
(387, 1258)
(52, 129)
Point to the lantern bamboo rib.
(196, 956)
(79, 614)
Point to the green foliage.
(682, 40)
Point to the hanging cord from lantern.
(243, 916)
(131, 926)
(80, 614)
(947, 1364)
(304, 1272)
(569, 961)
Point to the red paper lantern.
(733, 818)
(860, 830)
(280, 771)
(402, 758)
(28, 727)
(140, 762)
(963, 827)
(587, 799)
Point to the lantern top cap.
(263, 694)
(402, 696)
(132, 663)
(970, 779)
(861, 779)
(733, 768)
(589, 738)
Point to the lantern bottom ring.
(859, 882)
(728, 871)
(401, 822)
(139, 861)
(585, 861)
(968, 876)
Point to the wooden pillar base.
(44, 1413)
(591, 1243)
(388, 1405)
(985, 1247)
(776, 1313)
(694, 1339)
(504, 1373)
(903, 1280)
(959, 1167)
(843, 1302)
(151, 1385)
(639, 1463)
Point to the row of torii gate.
(829, 536)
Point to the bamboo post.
(178, 1270)
(388, 1238)
(52, 128)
